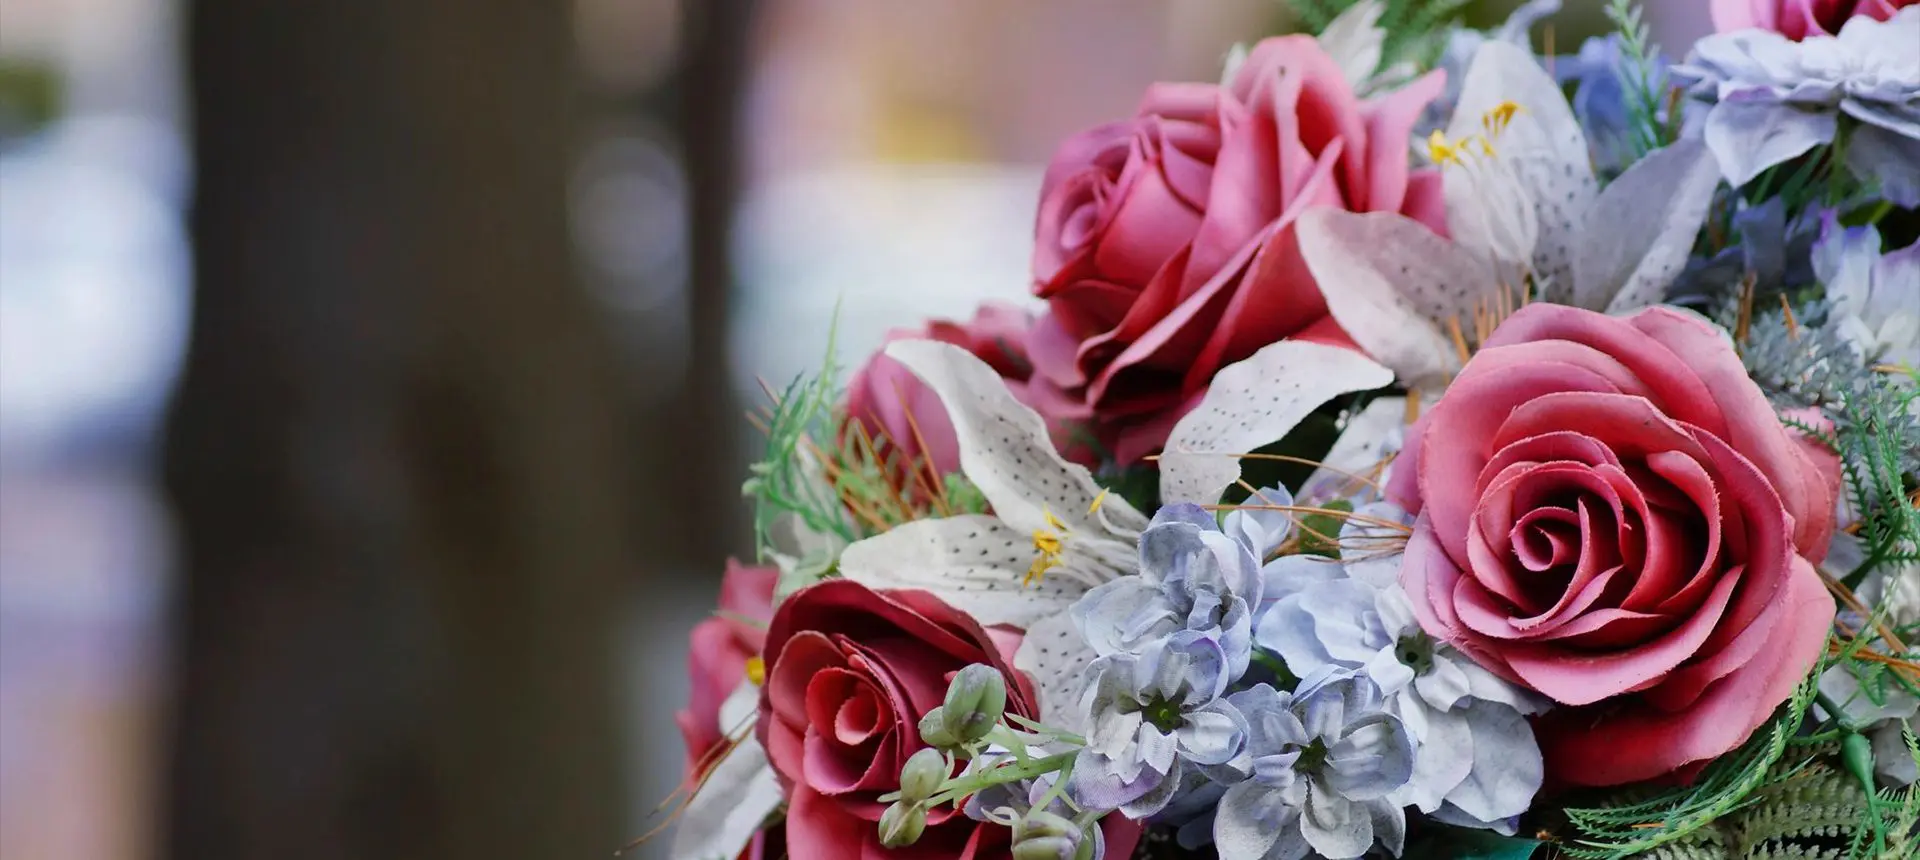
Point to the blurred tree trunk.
(716, 38)
(396, 449)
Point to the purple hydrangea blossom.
(1321, 767)
(1151, 718)
(1193, 577)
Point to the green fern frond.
(1804, 807)
(785, 482)
(1641, 80)
(1416, 30)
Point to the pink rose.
(1798, 19)
(890, 402)
(850, 671)
(1611, 514)
(717, 655)
(1165, 243)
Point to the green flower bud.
(975, 701)
(902, 824)
(1048, 848)
(1039, 823)
(922, 776)
(1042, 835)
(933, 730)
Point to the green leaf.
(1459, 843)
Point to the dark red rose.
(850, 671)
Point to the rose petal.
(1670, 546)
(1587, 678)
(1751, 427)
(1583, 747)
(1390, 121)
(1186, 335)
(1460, 433)
(1275, 299)
(1668, 377)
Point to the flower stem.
(1015, 772)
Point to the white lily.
(738, 793)
(1054, 534)
(1521, 203)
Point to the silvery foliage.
(1320, 773)
(1873, 295)
(1193, 576)
(1152, 717)
(1476, 762)
(1774, 99)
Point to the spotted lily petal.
(975, 563)
(1005, 449)
(1056, 657)
(1252, 403)
(1651, 215)
(1370, 439)
(1542, 144)
(1394, 286)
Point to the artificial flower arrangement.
(1427, 448)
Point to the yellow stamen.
(1440, 150)
(1097, 502)
(1496, 120)
(756, 670)
(1047, 542)
(1039, 569)
(1051, 543)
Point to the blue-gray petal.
(1212, 735)
(1372, 760)
(1751, 133)
(1889, 159)
(1338, 828)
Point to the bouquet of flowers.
(1427, 448)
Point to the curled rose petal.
(1610, 514)
(1166, 247)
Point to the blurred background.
(371, 374)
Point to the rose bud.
(922, 776)
(975, 702)
(901, 825)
